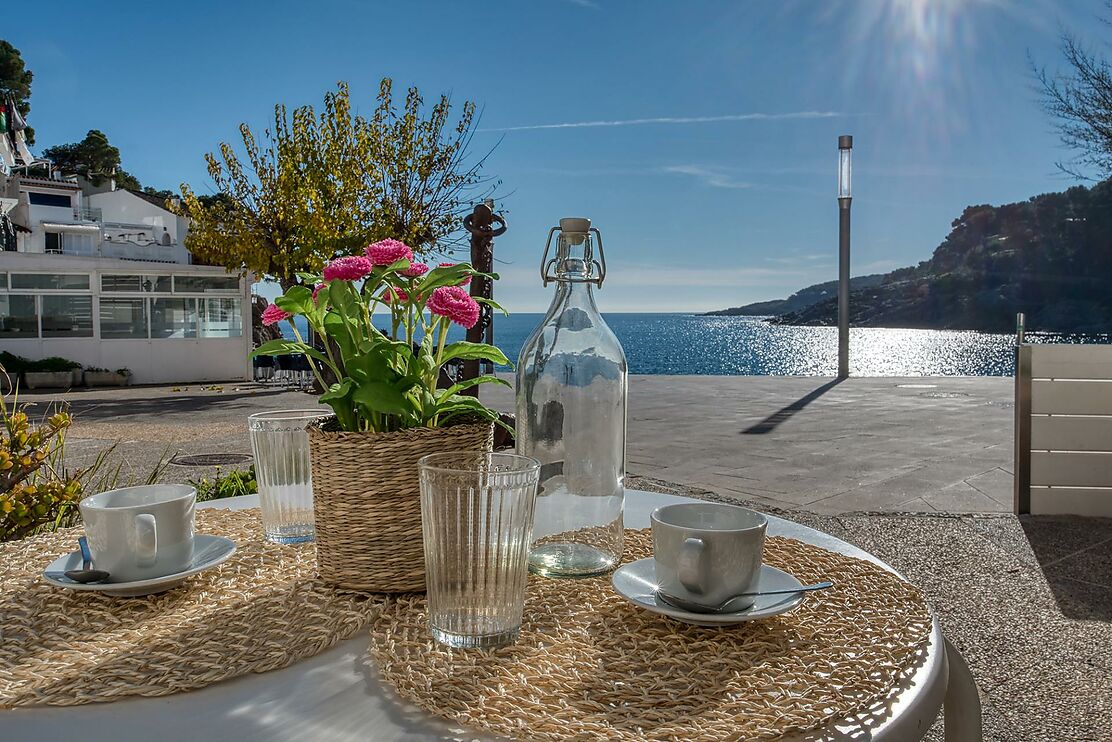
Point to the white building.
(102, 277)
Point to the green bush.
(54, 363)
(233, 484)
(37, 491)
(12, 363)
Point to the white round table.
(336, 696)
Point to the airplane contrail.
(675, 120)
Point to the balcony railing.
(88, 214)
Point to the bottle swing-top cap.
(575, 231)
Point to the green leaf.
(461, 403)
(342, 297)
(310, 279)
(382, 397)
(338, 391)
(451, 275)
(339, 329)
(283, 347)
(296, 300)
(492, 303)
(468, 383)
(373, 366)
(474, 351)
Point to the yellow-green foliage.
(34, 493)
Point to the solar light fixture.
(845, 165)
(845, 175)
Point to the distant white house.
(102, 277)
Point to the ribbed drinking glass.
(281, 448)
(477, 518)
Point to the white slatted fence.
(1063, 453)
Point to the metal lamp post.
(845, 174)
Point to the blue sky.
(699, 136)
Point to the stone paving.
(876, 444)
(916, 471)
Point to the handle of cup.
(690, 564)
(146, 540)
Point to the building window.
(63, 281)
(49, 199)
(78, 243)
(173, 318)
(67, 316)
(205, 284)
(123, 318)
(17, 316)
(146, 284)
(3, 281)
(53, 242)
(221, 318)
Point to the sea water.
(729, 346)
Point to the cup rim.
(523, 463)
(654, 517)
(185, 492)
(303, 414)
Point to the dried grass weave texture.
(263, 609)
(588, 665)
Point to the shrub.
(34, 495)
(37, 492)
(12, 363)
(233, 484)
(124, 371)
(54, 363)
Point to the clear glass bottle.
(571, 414)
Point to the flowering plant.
(386, 381)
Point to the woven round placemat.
(588, 665)
(261, 610)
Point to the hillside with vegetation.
(1049, 257)
(799, 300)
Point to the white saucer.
(208, 551)
(636, 582)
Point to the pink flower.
(392, 294)
(415, 270)
(350, 268)
(385, 252)
(318, 288)
(272, 315)
(464, 282)
(455, 304)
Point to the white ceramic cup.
(139, 533)
(707, 552)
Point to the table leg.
(962, 707)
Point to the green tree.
(93, 157)
(1080, 101)
(127, 181)
(320, 184)
(428, 180)
(15, 80)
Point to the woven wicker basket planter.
(367, 502)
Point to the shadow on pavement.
(782, 415)
(127, 406)
(1075, 555)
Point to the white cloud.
(674, 120)
(710, 177)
